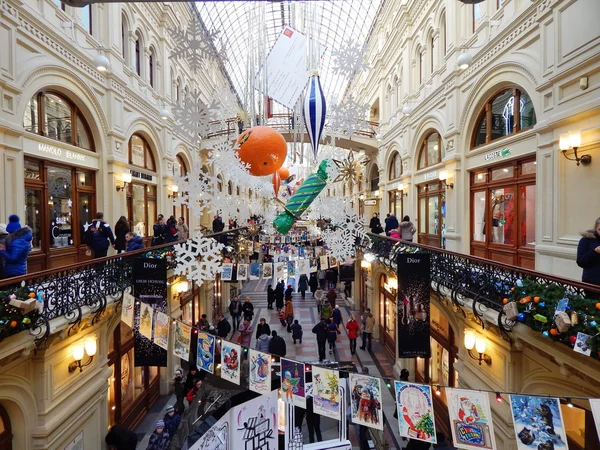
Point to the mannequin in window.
(498, 219)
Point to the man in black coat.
(321, 331)
(270, 297)
(279, 294)
(223, 327)
(391, 223)
(277, 345)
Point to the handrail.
(70, 290)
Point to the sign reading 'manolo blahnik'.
(55, 153)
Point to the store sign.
(505, 152)
(143, 176)
(43, 150)
(370, 202)
(51, 150)
(430, 176)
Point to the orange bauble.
(598, 305)
(284, 173)
(13, 324)
(504, 301)
(553, 331)
(31, 295)
(536, 299)
(263, 149)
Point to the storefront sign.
(143, 176)
(505, 152)
(413, 305)
(150, 288)
(370, 202)
(54, 153)
(51, 150)
(430, 176)
(76, 443)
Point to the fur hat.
(160, 424)
(13, 224)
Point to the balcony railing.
(80, 290)
(483, 283)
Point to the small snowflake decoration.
(194, 44)
(195, 190)
(193, 117)
(349, 60)
(199, 259)
(339, 242)
(347, 117)
(355, 224)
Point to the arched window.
(5, 430)
(220, 183)
(52, 115)
(432, 56)
(432, 151)
(374, 178)
(229, 188)
(443, 34)
(138, 54)
(86, 18)
(237, 191)
(181, 170)
(140, 154)
(178, 90)
(421, 67)
(501, 116)
(395, 169)
(151, 67)
(124, 39)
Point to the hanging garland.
(18, 310)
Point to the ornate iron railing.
(486, 283)
(83, 289)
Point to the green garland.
(12, 319)
(537, 304)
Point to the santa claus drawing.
(468, 411)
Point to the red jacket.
(353, 327)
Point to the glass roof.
(248, 30)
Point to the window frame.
(392, 167)
(424, 149)
(138, 54)
(90, 31)
(486, 111)
(147, 152)
(76, 113)
(151, 67)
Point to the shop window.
(86, 18)
(395, 169)
(387, 316)
(431, 151)
(140, 154)
(508, 112)
(432, 214)
(33, 200)
(59, 206)
(60, 120)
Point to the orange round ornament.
(598, 305)
(13, 324)
(284, 173)
(263, 149)
(31, 295)
(504, 301)
(536, 299)
(553, 331)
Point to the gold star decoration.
(349, 169)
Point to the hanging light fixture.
(101, 63)
(407, 110)
(464, 60)
(165, 114)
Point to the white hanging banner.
(127, 308)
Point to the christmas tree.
(426, 425)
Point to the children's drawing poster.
(206, 352)
(314, 265)
(146, 320)
(281, 270)
(326, 392)
(595, 404)
(267, 270)
(183, 339)
(538, 423)
(230, 361)
(365, 401)
(292, 382)
(254, 423)
(303, 265)
(291, 268)
(242, 272)
(324, 261)
(415, 411)
(260, 372)
(227, 271)
(470, 419)
(161, 330)
(255, 271)
(127, 309)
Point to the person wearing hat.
(172, 420)
(16, 248)
(3, 236)
(159, 440)
(179, 386)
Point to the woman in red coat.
(353, 328)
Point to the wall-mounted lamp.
(444, 177)
(172, 190)
(181, 288)
(391, 285)
(376, 193)
(407, 110)
(464, 60)
(126, 179)
(165, 114)
(369, 257)
(572, 140)
(401, 188)
(89, 347)
(364, 264)
(473, 340)
(361, 197)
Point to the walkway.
(306, 313)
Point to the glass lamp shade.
(464, 60)
(101, 63)
(443, 175)
(469, 339)
(90, 345)
(564, 142)
(78, 351)
(407, 110)
(575, 140)
(126, 178)
(480, 344)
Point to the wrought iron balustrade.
(83, 289)
(484, 282)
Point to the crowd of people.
(404, 230)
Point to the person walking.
(217, 224)
(319, 294)
(183, 230)
(296, 331)
(245, 330)
(159, 440)
(368, 323)
(235, 309)
(100, 236)
(248, 309)
(391, 223)
(263, 342)
(332, 297)
(223, 327)
(353, 331)
(277, 345)
(172, 419)
(303, 285)
(171, 230)
(313, 283)
(588, 254)
(192, 378)
(262, 328)
(333, 331)
(159, 229)
(289, 293)
(289, 313)
(336, 315)
(121, 229)
(133, 242)
(178, 384)
(279, 295)
(3, 237)
(313, 420)
(322, 277)
(407, 229)
(326, 311)
(270, 297)
(375, 224)
(320, 329)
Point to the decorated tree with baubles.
(555, 312)
(18, 311)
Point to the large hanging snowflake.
(349, 59)
(195, 190)
(339, 242)
(199, 259)
(347, 117)
(194, 44)
(193, 117)
(332, 209)
(355, 224)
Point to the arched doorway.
(5, 430)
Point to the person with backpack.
(100, 236)
(235, 309)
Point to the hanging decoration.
(199, 259)
(350, 59)
(195, 190)
(470, 419)
(193, 116)
(538, 423)
(263, 149)
(339, 242)
(276, 183)
(314, 111)
(415, 411)
(16, 311)
(194, 44)
(347, 117)
(349, 169)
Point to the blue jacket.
(135, 244)
(337, 316)
(99, 234)
(588, 259)
(391, 223)
(171, 423)
(159, 441)
(18, 246)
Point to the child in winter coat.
(159, 440)
(281, 315)
(296, 331)
(172, 420)
(395, 234)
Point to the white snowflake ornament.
(349, 59)
(355, 224)
(199, 259)
(195, 190)
(193, 117)
(339, 242)
(348, 117)
(193, 45)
